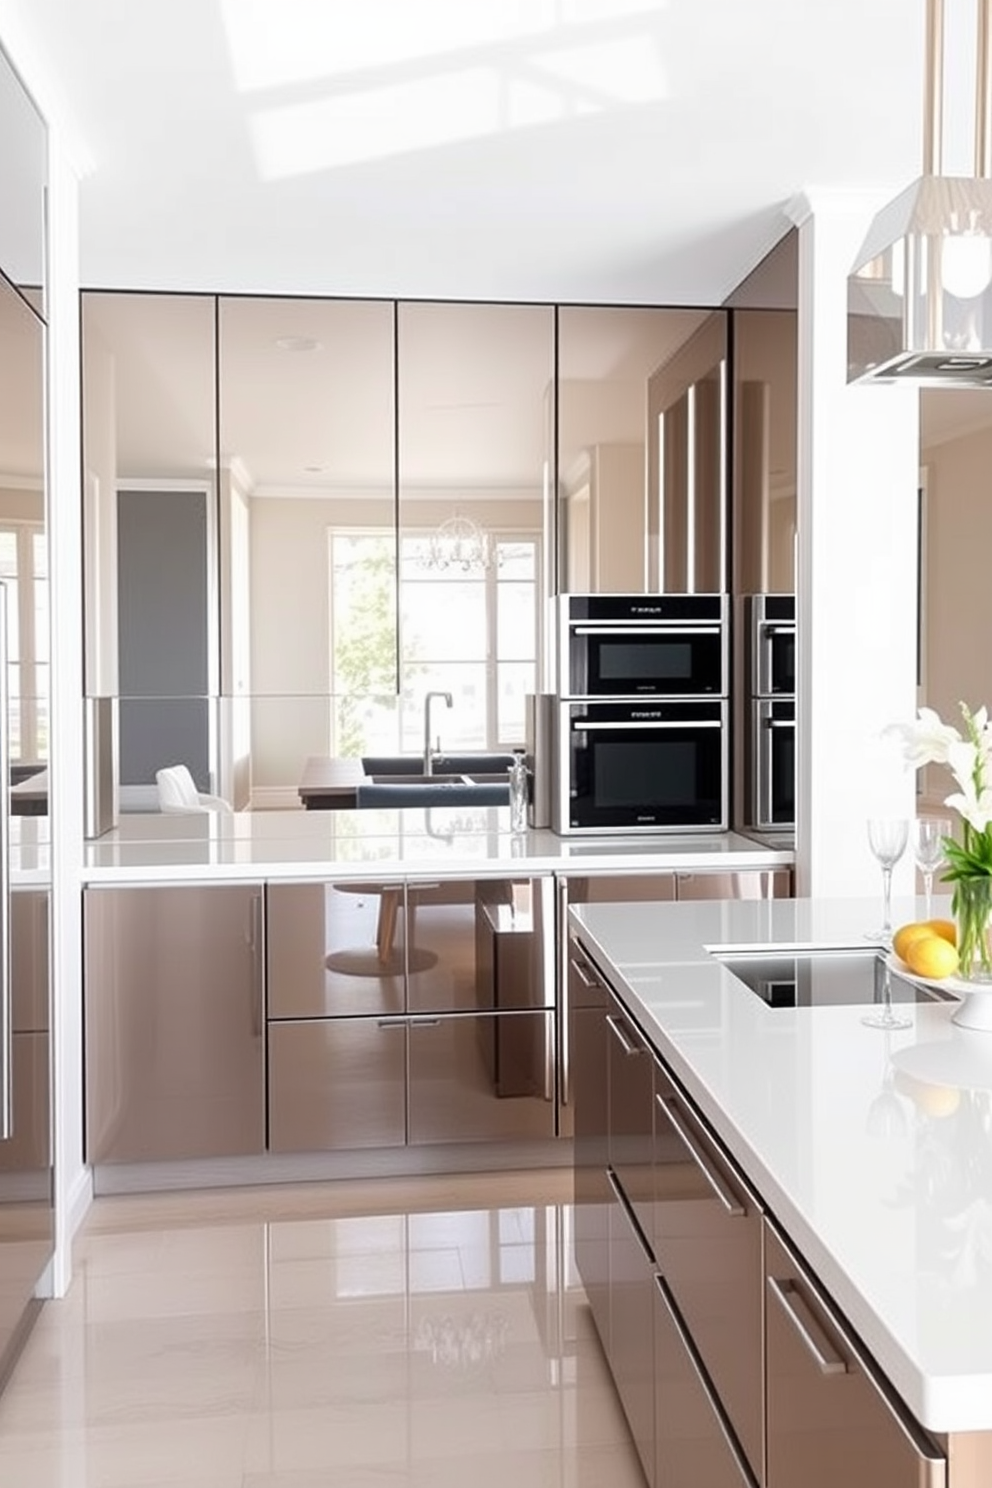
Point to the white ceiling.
(583, 151)
(636, 151)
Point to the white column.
(858, 457)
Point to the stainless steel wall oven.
(771, 752)
(642, 766)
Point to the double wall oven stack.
(771, 770)
(641, 719)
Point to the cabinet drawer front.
(695, 1446)
(631, 1338)
(707, 1233)
(829, 1419)
(335, 949)
(630, 1083)
(336, 1084)
(478, 945)
(481, 1078)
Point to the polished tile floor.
(428, 1332)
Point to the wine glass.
(887, 838)
(928, 850)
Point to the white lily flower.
(976, 810)
(927, 741)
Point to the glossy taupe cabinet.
(409, 1013)
(174, 1001)
(831, 1417)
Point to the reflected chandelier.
(459, 543)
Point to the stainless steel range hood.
(920, 295)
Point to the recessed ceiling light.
(297, 343)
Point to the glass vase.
(972, 909)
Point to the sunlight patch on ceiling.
(459, 104)
(280, 43)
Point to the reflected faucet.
(428, 757)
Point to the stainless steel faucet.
(428, 755)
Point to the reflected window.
(471, 633)
(24, 572)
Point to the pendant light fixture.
(920, 295)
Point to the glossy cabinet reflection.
(408, 1013)
(26, 1190)
(174, 1023)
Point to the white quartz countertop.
(156, 848)
(873, 1149)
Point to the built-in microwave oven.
(628, 766)
(773, 645)
(773, 763)
(643, 645)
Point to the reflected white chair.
(177, 793)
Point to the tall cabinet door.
(174, 1023)
(829, 1419)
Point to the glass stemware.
(883, 1014)
(928, 850)
(887, 838)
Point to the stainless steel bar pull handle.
(6, 1006)
(583, 975)
(653, 627)
(631, 1050)
(793, 1304)
(778, 723)
(730, 1202)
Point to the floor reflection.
(272, 1340)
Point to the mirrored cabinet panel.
(765, 391)
(308, 531)
(24, 547)
(609, 481)
(322, 529)
(150, 544)
(23, 182)
(474, 385)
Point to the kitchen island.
(869, 1151)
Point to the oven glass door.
(777, 676)
(775, 757)
(629, 771)
(632, 661)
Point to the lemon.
(944, 928)
(931, 956)
(906, 934)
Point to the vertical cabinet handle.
(6, 1006)
(730, 1202)
(793, 1304)
(255, 942)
